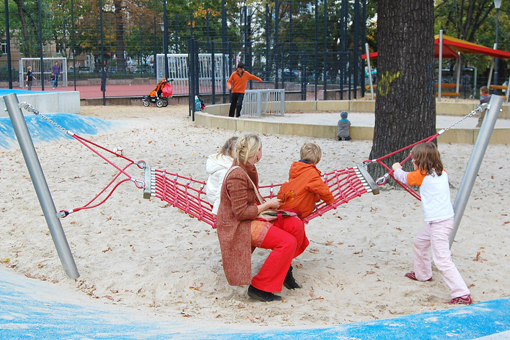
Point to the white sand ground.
(144, 254)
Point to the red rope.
(121, 171)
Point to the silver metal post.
(475, 161)
(440, 75)
(40, 185)
(367, 51)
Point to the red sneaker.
(461, 300)
(412, 276)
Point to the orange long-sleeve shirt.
(238, 82)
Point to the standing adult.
(239, 230)
(56, 70)
(237, 83)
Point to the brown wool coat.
(237, 209)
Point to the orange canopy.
(451, 47)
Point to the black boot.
(290, 282)
(261, 295)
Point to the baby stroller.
(160, 94)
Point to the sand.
(143, 254)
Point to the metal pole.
(74, 56)
(466, 185)
(316, 47)
(103, 76)
(213, 75)
(325, 72)
(40, 185)
(440, 75)
(276, 36)
(496, 59)
(165, 38)
(40, 43)
(367, 51)
(8, 45)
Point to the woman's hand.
(273, 203)
(396, 166)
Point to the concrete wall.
(48, 102)
(216, 116)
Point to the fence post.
(259, 103)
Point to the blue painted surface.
(43, 131)
(32, 309)
(4, 92)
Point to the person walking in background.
(237, 83)
(56, 70)
(30, 78)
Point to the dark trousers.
(236, 104)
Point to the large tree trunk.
(119, 35)
(405, 109)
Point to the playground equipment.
(188, 195)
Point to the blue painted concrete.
(4, 92)
(43, 131)
(32, 309)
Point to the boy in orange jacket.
(237, 83)
(305, 186)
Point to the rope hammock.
(188, 194)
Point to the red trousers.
(287, 241)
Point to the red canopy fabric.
(451, 47)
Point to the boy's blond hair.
(311, 152)
(484, 90)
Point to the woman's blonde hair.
(247, 147)
(228, 148)
(427, 158)
(311, 152)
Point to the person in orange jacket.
(305, 186)
(237, 83)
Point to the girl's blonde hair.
(311, 152)
(427, 158)
(247, 146)
(228, 148)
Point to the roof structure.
(451, 47)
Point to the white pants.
(436, 234)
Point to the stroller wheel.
(145, 103)
(159, 103)
(165, 102)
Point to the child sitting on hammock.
(305, 186)
(439, 215)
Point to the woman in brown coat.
(239, 231)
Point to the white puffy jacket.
(216, 166)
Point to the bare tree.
(405, 107)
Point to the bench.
(499, 87)
(455, 95)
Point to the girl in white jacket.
(217, 166)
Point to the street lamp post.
(497, 5)
(165, 38)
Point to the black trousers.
(236, 104)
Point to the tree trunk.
(405, 109)
(119, 35)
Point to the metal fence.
(263, 102)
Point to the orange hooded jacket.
(306, 183)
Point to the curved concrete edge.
(47, 102)
(216, 116)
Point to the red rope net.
(189, 196)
